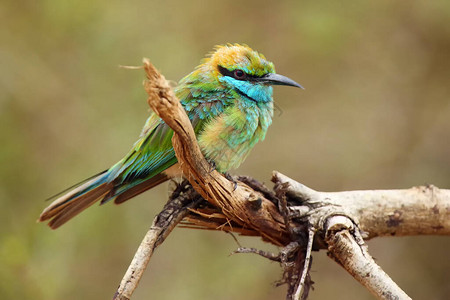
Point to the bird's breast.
(228, 138)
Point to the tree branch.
(347, 248)
(423, 210)
(174, 211)
(340, 216)
(295, 217)
(241, 204)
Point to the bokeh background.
(375, 115)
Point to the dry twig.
(174, 211)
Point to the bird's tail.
(100, 187)
(76, 200)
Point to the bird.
(229, 101)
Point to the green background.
(375, 115)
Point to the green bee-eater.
(228, 99)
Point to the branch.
(240, 204)
(423, 210)
(347, 248)
(251, 209)
(295, 217)
(174, 211)
(341, 215)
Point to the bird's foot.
(230, 178)
(178, 188)
(212, 165)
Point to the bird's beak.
(277, 79)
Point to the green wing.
(142, 167)
(153, 153)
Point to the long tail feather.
(98, 188)
(71, 211)
(69, 205)
(70, 188)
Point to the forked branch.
(294, 216)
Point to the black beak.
(277, 79)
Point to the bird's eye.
(239, 74)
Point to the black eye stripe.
(246, 77)
(225, 71)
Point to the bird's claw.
(230, 178)
(212, 165)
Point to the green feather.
(228, 99)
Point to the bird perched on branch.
(228, 99)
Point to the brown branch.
(237, 204)
(295, 216)
(239, 207)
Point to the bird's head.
(244, 70)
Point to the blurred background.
(375, 115)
